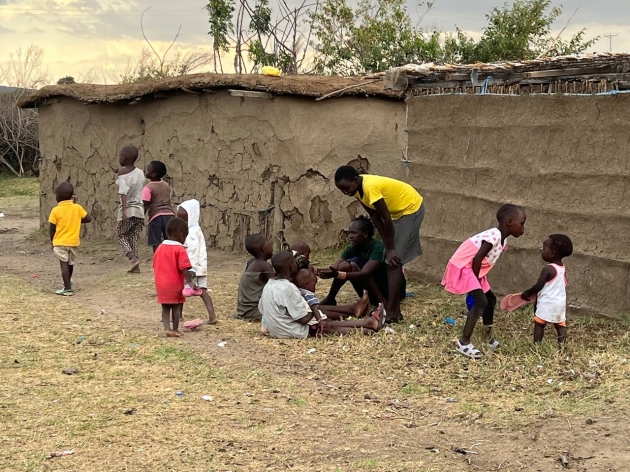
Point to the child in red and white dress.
(467, 270)
(550, 290)
(172, 267)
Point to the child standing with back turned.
(156, 197)
(172, 268)
(550, 290)
(130, 181)
(65, 227)
(467, 270)
(198, 255)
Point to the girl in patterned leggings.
(130, 181)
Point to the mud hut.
(259, 153)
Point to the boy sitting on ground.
(287, 314)
(256, 274)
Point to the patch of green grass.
(414, 389)
(170, 353)
(368, 464)
(18, 186)
(298, 401)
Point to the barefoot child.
(65, 227)
(256, 274)
(306, 281)
(197, 253)
(156, 197)
(467, 270)
(550, 290)
(172, 267)
(287, 314)
(130, 181)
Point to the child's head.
(306, 279)
(177, 230)
(361, 228)
(155, 171)
(557, 247)
(347, 180)
(284, 264)
(128, 156)
(64, 191)
(512, 219)
(259, 246)
(303, 249)
(182, 213)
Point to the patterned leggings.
(128, 233)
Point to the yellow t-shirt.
(401, 198)
(67, 216)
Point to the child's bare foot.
(212, 319)
(135, 270)
(135, 266)
(173, 334)
(377, 320)
(362, 307)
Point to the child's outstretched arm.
(546, 275)
(484, 250)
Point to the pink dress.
(459, 277)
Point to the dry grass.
(357, 403)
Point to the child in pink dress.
(172, 267)
(467, 270)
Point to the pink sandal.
(193, 324)
(189, 292)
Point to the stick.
(346, 88)
(561, 31)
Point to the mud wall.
(564, 159)
(255, 164)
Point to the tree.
(518, 32)
(66, 80)
(375, 36)
(258, 37)
(19, 145)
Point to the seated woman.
(362, 264)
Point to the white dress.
(551, 303)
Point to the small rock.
(102, 312)
(249, 394)
(130, 412)
(451, 400)
(222, 344)
(275, 390)
(15, 361)
(590, 421)
(70, 371)
(207, 398)
(547, 414)
(518, 408)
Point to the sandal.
(494, 345)
(380, 317)
(468, 350)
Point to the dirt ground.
(390, 402)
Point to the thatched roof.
(302, 85)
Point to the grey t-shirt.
(282, 305)
(131, 184)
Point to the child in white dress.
(198, 255)
(550, 290)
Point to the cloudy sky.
(101, 36)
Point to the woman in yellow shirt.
(397, 210)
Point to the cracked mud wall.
(255, 164)
(566, 160)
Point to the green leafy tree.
(66, 80)
(517, 32)
(373, 37)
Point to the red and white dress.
(169, 263)
(459, 277)
(551, 303)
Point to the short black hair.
(303, 277)
(508, 211)
(130, 152)
(253, 243)
(64, 191)
(561, 245)
(348, 173)
(366, 225)
(176, 226)
(300, 247)
(281, 260)
(159, 168)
